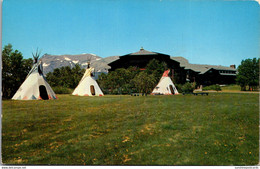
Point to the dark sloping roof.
(143, 52)
(199, 67)
(183, 62)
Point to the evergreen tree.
(156, 68)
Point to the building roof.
(183, 62)
(200, 68)
(144, 52)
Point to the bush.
(115, 91)
(105, 91)
(188, 87)
(62, 90)
(212, 87)
(179, 87)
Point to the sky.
(203, 31)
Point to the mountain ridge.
(51, 62)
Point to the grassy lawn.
(230, 88)
(219, 129)
(236, 88)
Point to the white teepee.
(35, 86)
(165, 86)
(88, 85)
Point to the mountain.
(51, 62)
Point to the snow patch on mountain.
(84, 64)
(75, 61)
(44, 64)
(68, 59)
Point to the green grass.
(236, 88)
(219, 129)
(231, 88)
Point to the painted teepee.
(165, 85)
(35, 86)
(88, 85)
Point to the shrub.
(105, 91)
(62, 90)
(179, 87)
(188, 87)
(115, 91)
(212, 87)
(217, 88)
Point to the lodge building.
(181, 70)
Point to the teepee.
(35, 86)
(88, 85)
(165, 85)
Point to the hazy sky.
(205, 32)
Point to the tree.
(156, 68)
(128, 80)
(65, 76)
(15, 70)
(144, 82)
(118, 81)
(248, 74)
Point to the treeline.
(65, 76)
(120, 81)
(14, 71)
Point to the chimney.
(233, 66)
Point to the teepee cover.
(35, 86)
(165, 85)
(88, 85)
